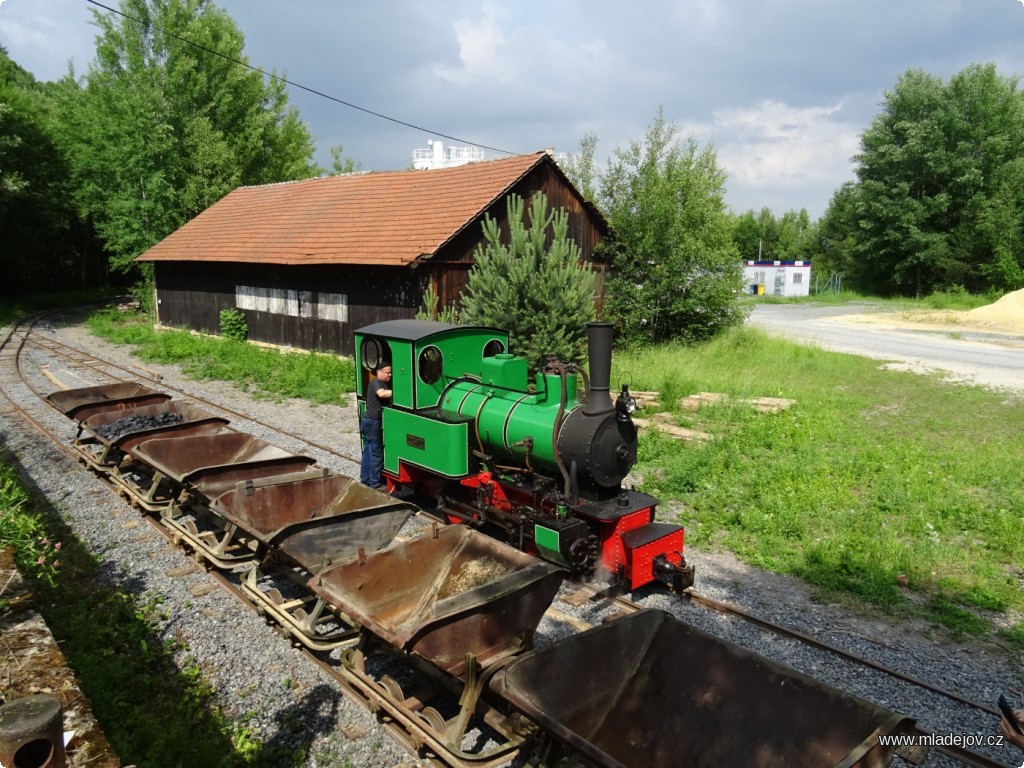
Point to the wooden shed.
(308, 262)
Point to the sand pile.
(1005, 316)
(1009, 310)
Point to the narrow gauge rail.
(965, 756)
(462, 604)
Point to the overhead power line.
(286, 81)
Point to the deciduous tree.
(36, 211)
(171, 119)
(936, 169)
(675, 267)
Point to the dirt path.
(984, 346)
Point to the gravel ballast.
(286, 700)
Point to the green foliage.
(939, 197)
(265, 372)
(38, 224)
(536, 286)
(581, 168)
(20, 529)
(233, 325)
(1001, 227)
(852, 487)
(340, 164)
(675, 268)
(164, 129)
(836, 235)
(762, 236)
(430, 311)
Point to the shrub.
(233, 325)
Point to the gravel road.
(968, 354)
(288, 703)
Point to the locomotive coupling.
(675, 576)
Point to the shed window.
(332, 306)
(798, 278)
(251, 297)
(281, 301)
(284, 302)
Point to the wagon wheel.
(433, 718)
(393, 689)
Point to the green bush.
(233, 325)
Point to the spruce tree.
(536, 285)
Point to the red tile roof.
(389, 218)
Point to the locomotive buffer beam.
(670, 568)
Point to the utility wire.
(297, 85)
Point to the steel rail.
(155, 380)
(51, 346)
(404, 725)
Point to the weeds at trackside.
(892, 488)
(155, 714)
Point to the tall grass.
(155, 714)
(873, 479)
(264, 372)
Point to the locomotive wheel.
(583, 554)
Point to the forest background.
(170, 116)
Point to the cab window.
(430, 365)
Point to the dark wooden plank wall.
(192, 294)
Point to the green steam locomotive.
(466, 429)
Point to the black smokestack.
(599, 349)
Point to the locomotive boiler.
(534, 462)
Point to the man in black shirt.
(371, 430)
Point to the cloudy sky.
(782, 88)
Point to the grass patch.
(874, 477)
(155, 714)
(954, 300)
(892, 488)
(843, 297)
(267, 373)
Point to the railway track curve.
(30, 357)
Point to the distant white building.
(439, 156)
(778, 278)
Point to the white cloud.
(775, 145)
(480, 44)
(21, 35)
(43, 37)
